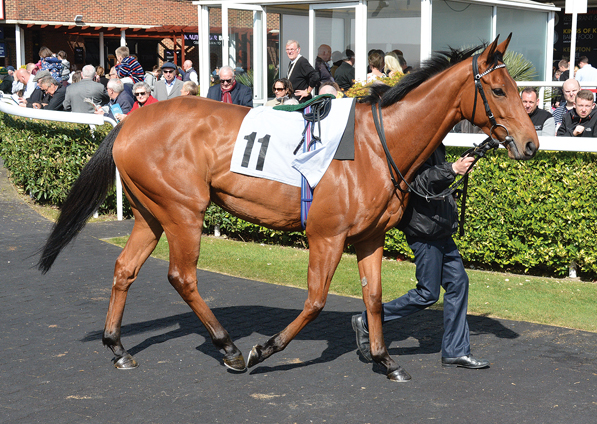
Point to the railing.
(7, 105)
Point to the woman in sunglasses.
(143, 97)
(284, 93)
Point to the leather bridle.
(479, 90)
(478, 151)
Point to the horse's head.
(495, 104)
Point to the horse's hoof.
(254, 357)
(399, 375)
(127, 362)
(236, 363)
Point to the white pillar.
(102, 59)
(225, 36)
(19, 45)
(122, 38)
(573, 43)
(360, 42)
(426, 35)
(204, 65)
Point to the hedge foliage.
(45, 158)
(536, 216)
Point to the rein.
(478, 151)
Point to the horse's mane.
(439, 62)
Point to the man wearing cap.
(229, 90)
(169, 87)
(344, 75)
(37, 96)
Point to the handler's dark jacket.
(571, 119)
(431, 219)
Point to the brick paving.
(53, 367)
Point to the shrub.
(45, 158)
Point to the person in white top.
(586, 73)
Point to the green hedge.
(536, 216)
(45, 158)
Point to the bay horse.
(174, 159)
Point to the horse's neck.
(430, 111)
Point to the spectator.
(143, 98)
(7, 80)
(87, 95)
(54, 88)
(570, 88)
(65, 67)
(127, 68)
(25, 78)
(100, 76)
(283, 92)
(582, 120)
(76, 77)
(541, 119)
(121, 101)
(392, 65)
(337, 60)
(586, 72)
(168, 87)
(50, 63)
(429, 225)
(189, 88)
(154, 76)
(112, 74)
(376, 64)
(564, 68)
(302, 75)
(329, 88)
(345, 72)
(229, 90)
(37, 96)
(189, 73)
(324, 54)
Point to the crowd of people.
(51, 84)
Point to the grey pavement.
(54, 369)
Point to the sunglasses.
(141, 93)
(171, 71)
(226, 81)
(279, 89)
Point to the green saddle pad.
(301, 106)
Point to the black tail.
(86, 196)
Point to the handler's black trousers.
(439, 264)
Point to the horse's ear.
(487, 55)
(504, 45)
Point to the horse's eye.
(498, 92)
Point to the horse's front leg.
(324, 256)
(369, 256)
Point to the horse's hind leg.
(184, 241)
(143, 239)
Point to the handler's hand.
(462, 164)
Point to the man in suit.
(77, 93)
(302, 75)
(53, 88)
(229, 90)
(169, 87)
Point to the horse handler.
(428, 225)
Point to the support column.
(102, 56)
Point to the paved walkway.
(54, 369)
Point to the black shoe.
(465, 362)
(362, 336)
